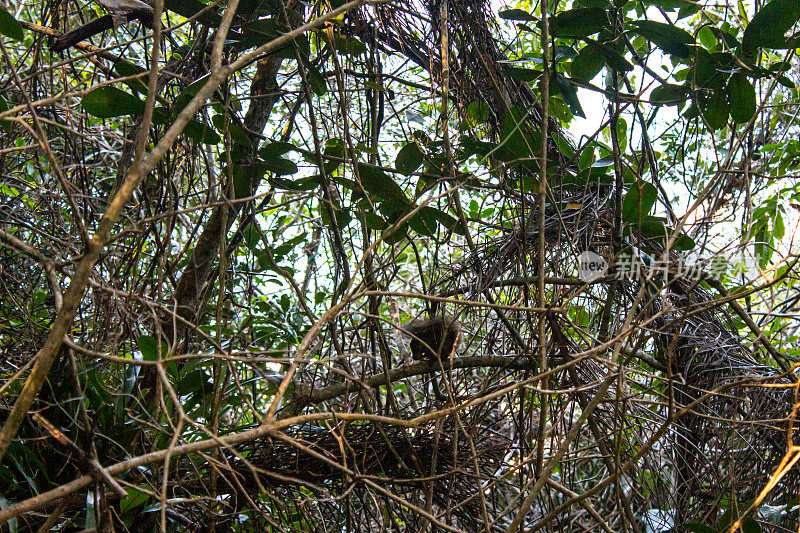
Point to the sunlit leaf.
(478, 112)
(639, 201)
(108, 102)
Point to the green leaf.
(333, 148)
(639, 201)
(190, 8)
(316, 81)
(201, 132)
(343, 218)
(125, 69)
(187, 94)
(5, 125)
(563, 52)
(728, 38)
(347, 44)
(280, 166)
(275, 149)
(424, 222)
(653, 228)
(238, 134)
(689, 8)
(715, 108)
(306, 184)
(523, 26)
(780, 66)
(134, 499)
(409, 159)
(604, 162)
(523, 74)
(374, 221)
(579, 22)
(447, 220)
(250, 8)
(778, 230)
(707, 38)
(470, 146)
(569, 94)
(160, 116)
(258, 32)
(622, 134)
(516, 14)
(786, 82)
(149, 348)
(478, 113)
(613, 59)
(519, 143)
(669, 94)
(9, 26)
(587, 64)
(769, 26)
(252, 235)
(108, 102)
(669, 38)
(706, 71)
(749, 525)
(683, 243)
(742, 98)
(587, 157)
(376, 182)
(426, 219)
(193, 381)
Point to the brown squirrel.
(433, 338)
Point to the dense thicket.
(272, 265)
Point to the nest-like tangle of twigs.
(582, 214)
(311, 465)
(734, 437)
(25, 319)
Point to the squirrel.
(433, 338)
